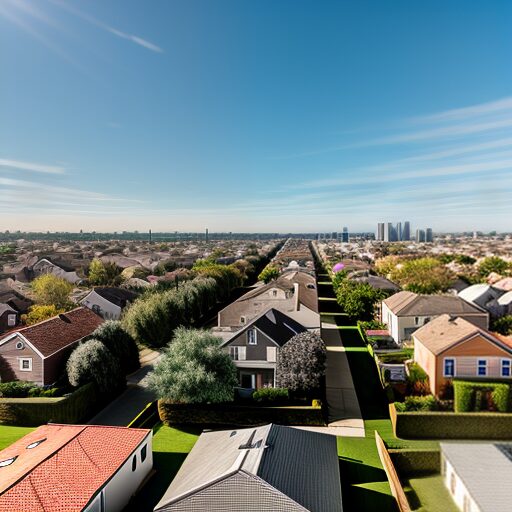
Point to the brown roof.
(67, 468)
(60, 331)
(409, 304)
(445, 331)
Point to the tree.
(52, 290)
(269, 273)
(92, 361)
(358, 300)
(120, 343)
(423, 275)
(503, 325)
(194, 369)
(301, 363)
(104, 274)
(39, 312)
(493, 264)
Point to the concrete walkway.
(127, 406)
(345, 417)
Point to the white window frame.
(254, 340)
(444, 367)
(237, 353)
(11, 319)
(508, 365)
(478, 361)
(22, 359)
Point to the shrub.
(446, 391)
(417, 380)
(194, 369)
(120, 343)
(52, 290)
(271, 395)
(301, 364)
(39, 312)
(476, 396)
(92, 361)
(503, 325)
(269, 273)
(358, 300)
(15, 389)
(417, 403)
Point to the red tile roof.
(65, 471)
(60, 331)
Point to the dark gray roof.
(117, 296)
(279, 327)
(377, 282)
(299, 464)
(486, 471)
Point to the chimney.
(296, 306)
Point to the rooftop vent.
(250, 442)
(64, 318)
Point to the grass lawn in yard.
(10, 434)
(428, 494)
(170, 448)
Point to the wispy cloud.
(104, 26)
(31, 166)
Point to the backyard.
(10, 434)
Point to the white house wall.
(460, 490)
(107, 310)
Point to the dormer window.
(35, 443)
(251, 337)
(20, 345)
(7, 462)
(274, 293)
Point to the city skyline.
(149, 116)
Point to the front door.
(248, 380)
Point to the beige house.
(449, 347)
(405, 312)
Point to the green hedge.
(31, 412)
(451, 425)
(239, 415)
(470, 396)
(274, 395)
(413, 462)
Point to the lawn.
(10, 434)
(428, 494)
(170, 448)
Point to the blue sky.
(271, 115)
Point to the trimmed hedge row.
(239, 415)
(31, 412)
(470, 396)
(412, 462)
(451, 425)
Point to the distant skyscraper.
(334, 235)
(399, 231)
(429, 236)
(344, 235)
(406, 233)
(206, 235)
(420, 235)
(380, 231)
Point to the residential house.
(38, 353)
(255, 348)
(45, 266)
(494, 300)
(450, 347)
(74, 468)
(405, 312)
(9, 317)
(271, 468)
(293, 293)
(108, 302)
(478, 475)
(376, 282)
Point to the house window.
(416, 320)
(426, 321)
(7, 462)
(237, 353)
(453, 483)
(143, 453)
(449, 367)
(274, 293)
(271, 354)
(20, 345)
(11, 320)
(35, 443)
(242, 320)
(96, 309)
(26, 364)
(134, 463)
(482, 367)
(251, 337)
(505, 367)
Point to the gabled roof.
(60, 331)
(282, 457)
(445, 331)
(117, 296)
(279, 327)
(411, 304)
(64, 471)
(6, 307)
(479, 291)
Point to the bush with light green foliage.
(275, 395)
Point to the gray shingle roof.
(486, 471)
(300, 464)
